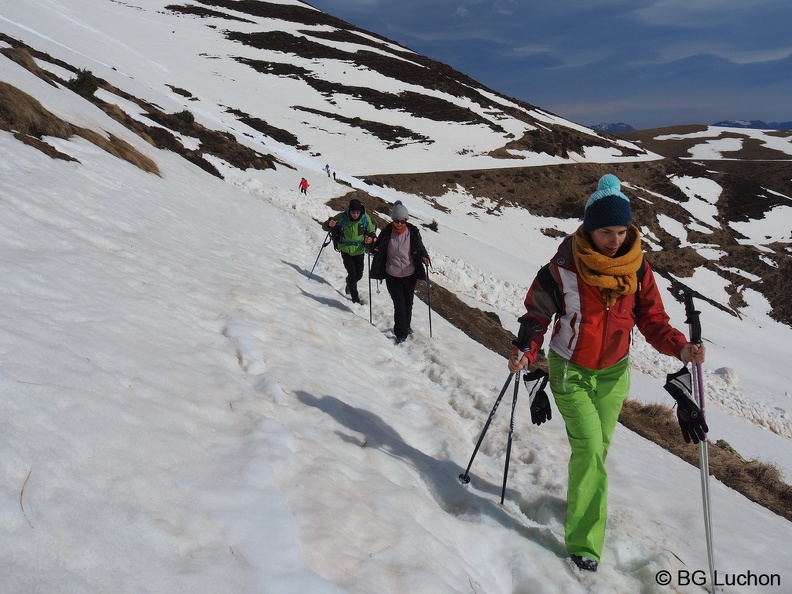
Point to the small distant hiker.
(304, 186)
(598, 287)
(327, 169)
(334, 177)
(352, 231)
(399, 259)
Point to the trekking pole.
(528, 329)
(511, 432)
(464, 478)
(327, 241)
(540, 378)
(698, 391)
(429, 299)
(368, 263)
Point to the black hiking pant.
(354, 266)
(402, 292)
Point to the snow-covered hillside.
(364, 104)
(185, 410)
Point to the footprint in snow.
(247, 335)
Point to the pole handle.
(529, 327)
(698, 391)
(692, 319)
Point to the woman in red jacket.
(597, 296)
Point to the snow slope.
(184, 410)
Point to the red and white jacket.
(587, 332)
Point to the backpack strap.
(549, 284)
(363, 221)
(344, 221)
(641, 273)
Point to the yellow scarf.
(614, 277)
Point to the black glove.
(540, 408)
(540, 403)
(691, 419)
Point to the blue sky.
(643, 62)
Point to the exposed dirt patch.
(561, 191)
(755, 162)
(395, 135)
(277, 134)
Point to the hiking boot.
(400, 340)
(584, 563)
(409, 331)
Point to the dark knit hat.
(608, 206)
(356, 204)
(399, 211)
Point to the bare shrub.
(84, 84)
(185, 116)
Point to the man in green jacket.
(352, 230)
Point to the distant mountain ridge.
(754, 124)
(609, 128)
(621, 127)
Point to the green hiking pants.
(590, 401)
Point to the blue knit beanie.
(608, 206)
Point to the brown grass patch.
(119, 148)
(758, 481)
(30, 121)
(22, 56)
(19, 112)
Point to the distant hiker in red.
(304, 186)
(399, 258)
(598, 287)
